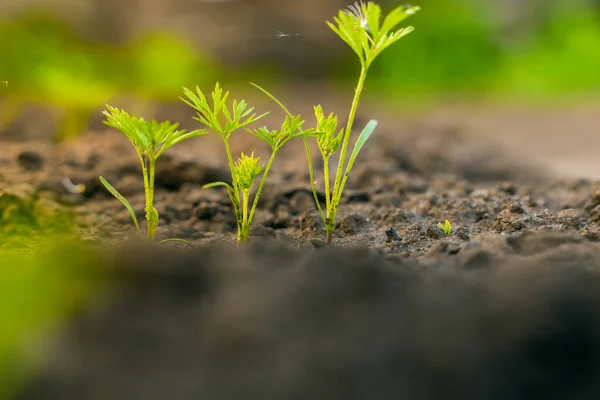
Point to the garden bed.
(395, 308)
(409, 178)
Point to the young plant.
(362, 28)
(216, 116)
(445, 227)
(150, 139)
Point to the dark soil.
(404, 184)
(504, 307)
(260, 323)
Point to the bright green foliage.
(445, 227)
(362, 28)
(150, 139)
(216, 115)
(276, 138)
(328, 139)
(245, 170)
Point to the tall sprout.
(150, 140)
(215, 114)
(362, 27)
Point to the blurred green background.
(76, 56)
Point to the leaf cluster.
(360, 26)
(445, 227)
(216, 115)
(245, 170)
(149, 138)
(328, 139)
(277, 138)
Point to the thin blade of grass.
(274, 99)
(123, 201)
(360, 142)
(217, 184)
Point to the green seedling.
(216, 116)
(362, 28)
(445, 227)
(150, 140)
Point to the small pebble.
(463, 233)
(595, 214)
(591, 235)
(392, 235)
(516, 207)
(353, 224)
(569, 217)
(453, 248)
(31, 161)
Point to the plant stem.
(312, 179)
(245, 200)
(233, 183)
(245, 226)
(152, 214)
(353, 108)
(231, 166)
(146, 192)
(338, 187)
(327, 186)
(263, 179)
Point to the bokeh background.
(478, 63)
(62, 49)
(523, 73)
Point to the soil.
(409, 177)
(504, 307)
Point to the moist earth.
(506, 306)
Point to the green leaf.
(398, 15)
(217, 184)
(350, 32)
(124, 201)
(279, 103)
(246, 169)
(373, 15)
(183, 136)
(360, 142)
(387, 40)
(445, 227)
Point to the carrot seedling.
(362, 28)
(217, 117)
(246, 169)
(445, 227)
(150, 140)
